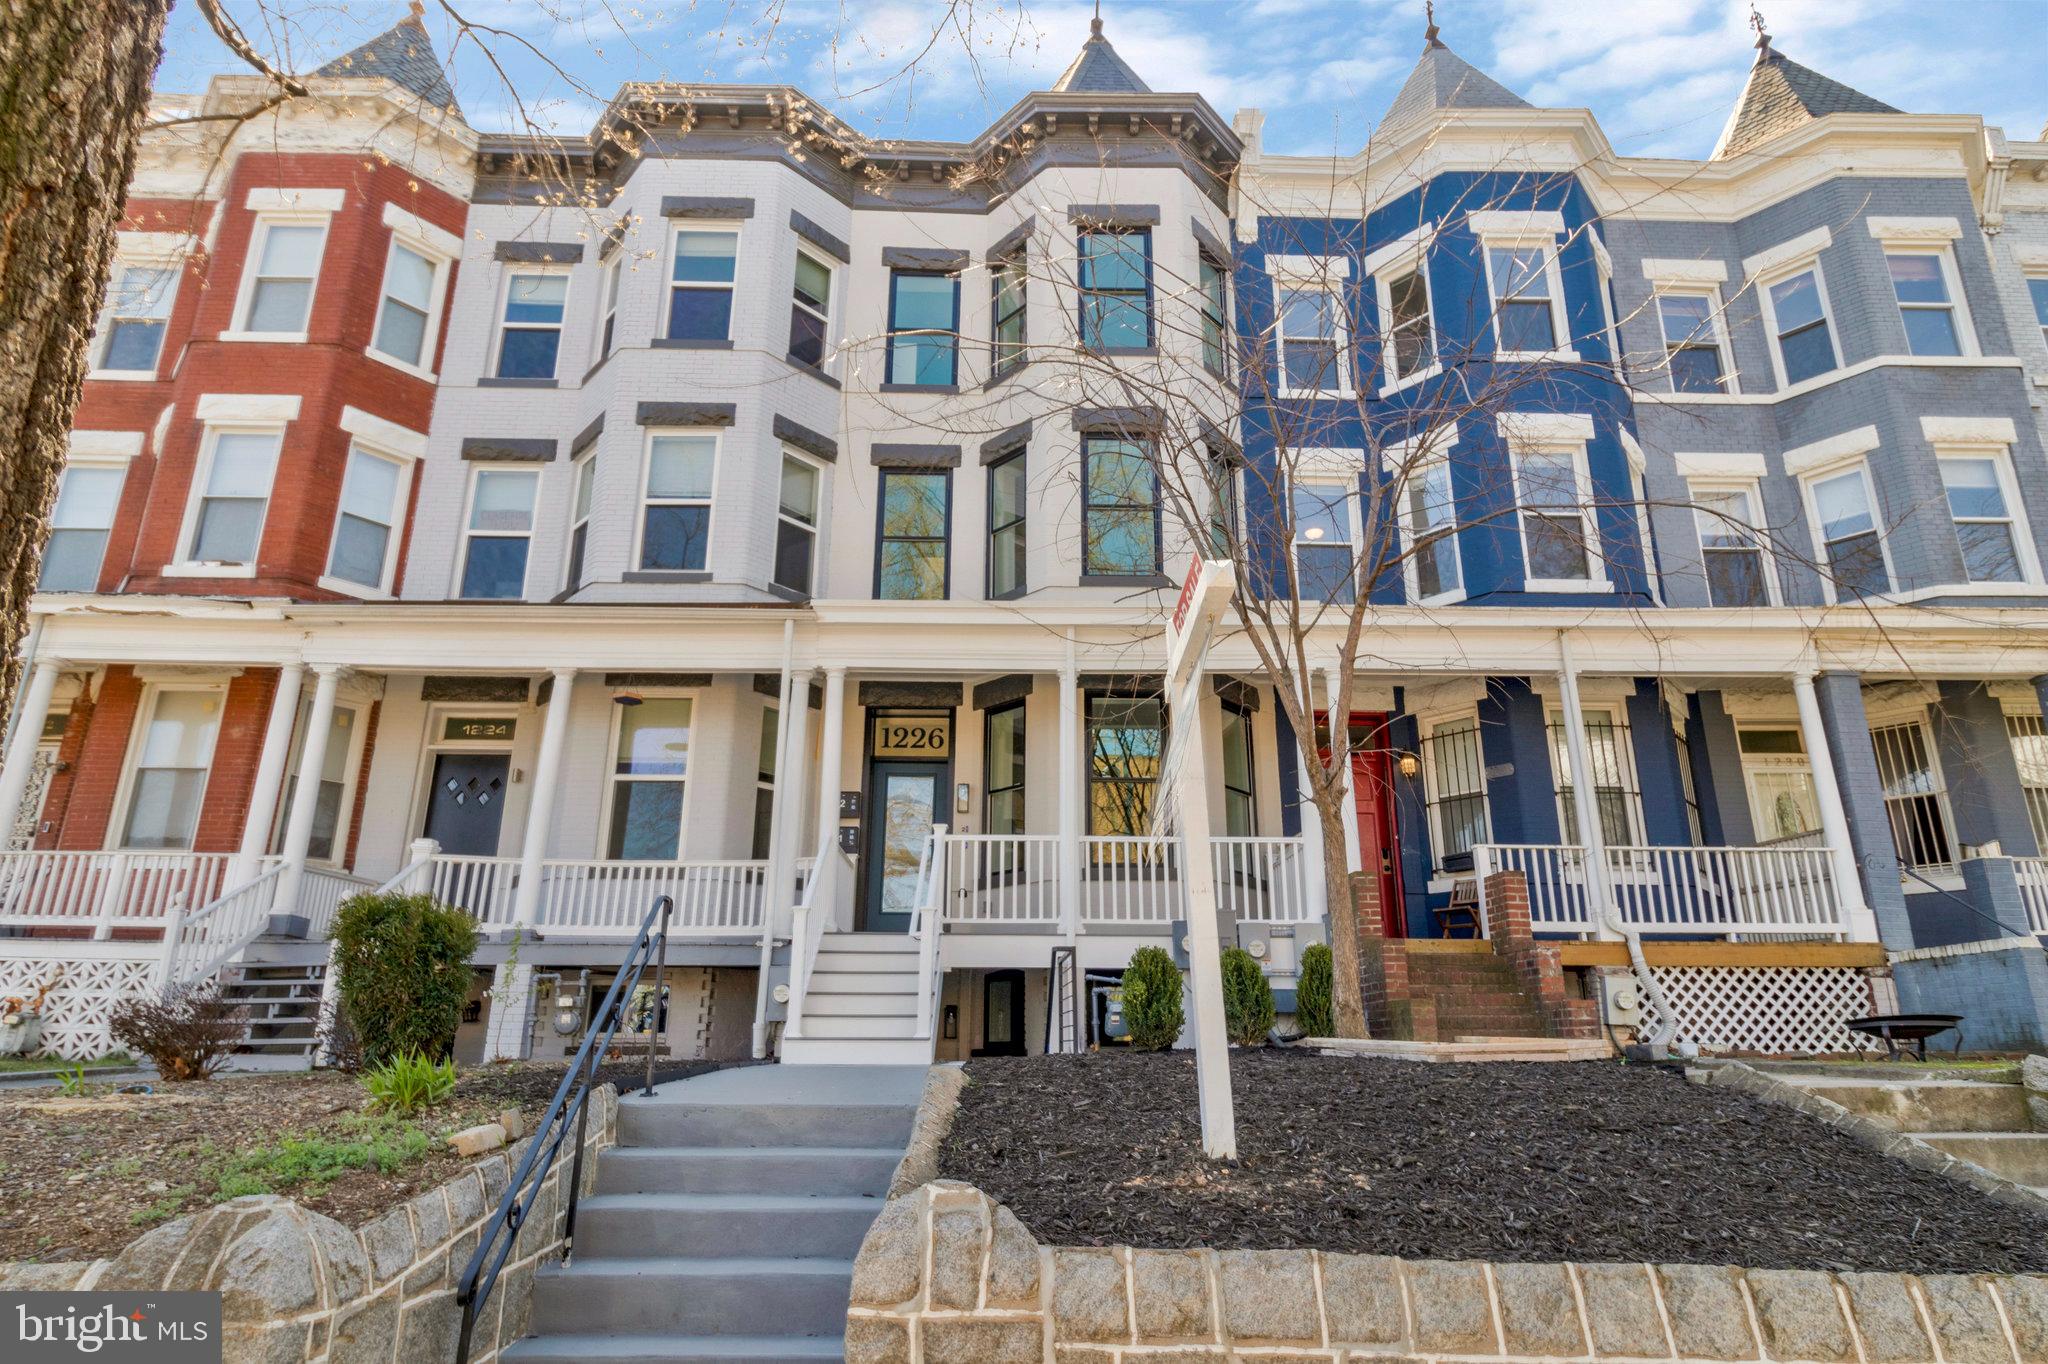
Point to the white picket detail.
(201, 942)
(481, 885)
(1773, 891)
(1554, 874)
(2033, 877)
(1264, 880)
(600, 896)
(321, 891)
(45, 888)
(1002, 879)
(1130, 880)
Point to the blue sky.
(1661, 75)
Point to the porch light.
(628, 698)
(1409, 765)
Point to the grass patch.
(163, 1208)
(113, 1061)
(312, 1161)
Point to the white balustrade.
(1775, 891)
(106, 890)
(321, 891)
(1002, 879)
(596, 896)
(1264, 880)
(1555, 875)
(1130, 880)
(199, 943)
(2033, 877)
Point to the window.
(1557, 529)
(1325, 565)
(1311, 340)
(363, 547)
(1914, 795)
(924, 328)
(810, 310)
(1116, 289)
(675, 524)
(1120, 508)
(1615, 798)
(1980, 504)
(1799, 320)
(1457, 779)
(607, 326)
(165, 794)
(2029, 735)
(328, 801)
(1126, 738)
(1407, 346)
(2037, 290)
(1852, 553)
(916, 507)
(1007, 293)
(1523, 298)
(1921, 284)
(240, 467)
(700, 288)
(1730, 554)
(1692, 343)
(138, 308)
(649, 763)
(764, 785)
(1432, 517)
(579, 519)
(287, 263)
(1215, 282)
(1006, 503)
(498, 535)
(1240, 809)
(79, 525)
(532, 331)
(1003, 747)
(1224, 521)
(796, 525)
(1782, 803)
(408, 306)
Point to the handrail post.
(112, 893)
(660, 983)
(174, 922)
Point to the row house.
(729, 507)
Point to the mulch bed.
(81, 1184)
(1506, 1161)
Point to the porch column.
(1585, 801)
(277, 742)
(1857, 919)
(540, 812)
(298, 832)
(28, 732)
(1875, 858)
(831, 740)
(793, 769)
(1073, 797)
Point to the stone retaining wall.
(296, 1286)
(949, 1276)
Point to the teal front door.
(904, 801)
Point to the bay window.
(1325, 549)
(1731, 556)
(1981, 499)
(1430, 510)
(1312, 339)
(1215, 285)
(796, 525)
(1116, 288)
(530, 330)
(238, 470)
(79, 525)
(1528, 302)
(924, 328)
(1007, 499)
(810, 311)
(1007, 295)
(702, 269)
(278, 297)
(1845, 525)
(1924, 284)
(1408, 345)
(132, 322)
(913, 550)
(675, 522)
(498, 533)
(372, 500)
(585, 480)
(407, 311)
(1694, 350)
(1119, 508)
(1559, 545)
(1796, 308)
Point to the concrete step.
(729, 1296)
(2021, 1157)
(862, 982)
(868, 945)
(817, 1006)
(651, 1122)
(844, 1026)
(709, 1225)
(824, 1170)
(665, 1349)
(1926, 1105)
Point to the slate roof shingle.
(1098, 70)
(403, 54)
(1780, 95)
(1444, 80)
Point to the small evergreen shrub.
(188, 1031)
(1314, 1010)
(403, 964)
(406, 1084)
(1247, 998)
(1152, 1008)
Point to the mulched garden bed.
(85, 1182)
(1506, 1161)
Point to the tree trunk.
(1347, 998)
(74, 89)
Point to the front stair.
(726, 1220)
(283, 1012)
(1981, 1116)
(861, 1004)
(1477, 995)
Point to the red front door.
(1372, 793)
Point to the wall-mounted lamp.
(1409, 764)
(952, 1022)
(628, 698)
(963, 798)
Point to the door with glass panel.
(909, 766)
(1782, 803)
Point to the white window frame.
(138, 251)
(709, 502)
(97, 460)
(1396, 261)
(1404, 460)
(1519, 231)
(1775, 266)
(1543, 433)
(1821, 473)
(124, 797)
(1914, 715)
(835, 285)
(185, 566)
(1717, 319)
(816, 528)
(282, 208)
(401, 498)
(1755, 764)
(1303, 274)
(2000, 456)
(1753, 490)
(442, 249)
(604, 337)
(1322, 475)
(612, 777)
(1929, 237)
(583, 466)
(676, 229)
(476, 472)
(499, 326)
(1434, 777)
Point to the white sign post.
(1203, 597)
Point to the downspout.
(779, 835)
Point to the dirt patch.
(1505, 1161)
(87, 1178)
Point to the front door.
(904, 801)
(1002, 1014)
(1372, 795)
(466, 803)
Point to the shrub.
(404, 973)
(1247, 998)
(188, 1031)
(1314, 1009)
(406, 1084)
(1152, 1008)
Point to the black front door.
(904, 800)
(467, 802)
(1002, 1014)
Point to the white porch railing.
(103, 891)
(925, 926)
(1002, 879)
(806, 933)
(2033, 877)
(1014, 880)
(1726, 892)
(198, 944)
(1264, 880)
(482, 885)
(321, 891)
(1130, 880)
(593, 895)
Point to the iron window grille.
(1455, 793)
(1610, 763)
(1915, 797)
(2029, 737)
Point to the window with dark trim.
(796, 524)
(1006, 286)
(1120, 508)
(924, 327)
(1116, 288)
(1240, 804)
(911, 545)
(810, 310)
(1003, 764)
(764, 785)
(1126, 741)
(1006, 508)
(703, 266)
(1215, 280)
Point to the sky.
(1660, 75)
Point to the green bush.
(1247, 998)
(1314, 1012)
(404, 972)
(406, 1084)
(1152, 1009)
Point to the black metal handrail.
(571, 1105)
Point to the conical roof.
(403, 54)
(1780, 95)
(1098, 70)
(1444, 80)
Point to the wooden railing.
(1002, 879)
(2033, 878)
(1014, 880)
(592, 895)
(104, 891)
(1774, 891)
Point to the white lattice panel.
(1769, 1009)
(76, 1013)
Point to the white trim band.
(248, 407)
(105, 444)
(295, 200)
(1533, 428)
(1849, 444)
(1719, 464)
(1914, 229)
(387, 436)
(1801, 247)
(1685, 271)
(1969, 430)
